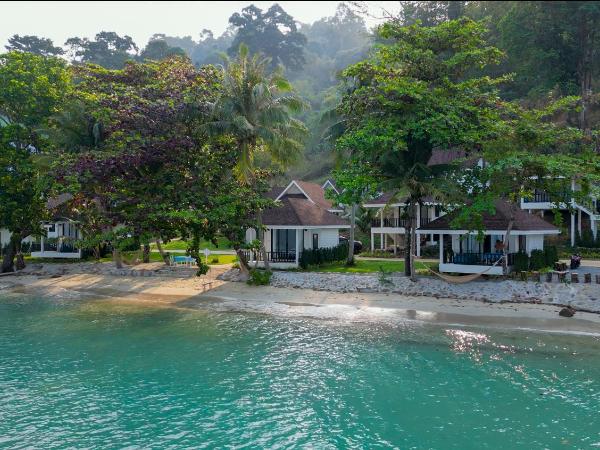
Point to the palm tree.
(256, 109)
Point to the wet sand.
(209, 293)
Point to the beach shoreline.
(377, 307)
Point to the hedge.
(521, 261)
(316, 257)
(537, 260)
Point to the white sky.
(140, 20)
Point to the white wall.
(4, 237)
(534, 242)
(250, 235)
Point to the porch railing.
(476, 259)
(543, 197)
(54, 247)
(393, 222)
(275, 257)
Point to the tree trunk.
(505, 246)
(350, 260)
(8, 260)
(146, 256)
(20, 264)
(163, 255)
(263, 249)
(117, 258)
(407, 245)
(586, 39)
(413, 241)
(243, 262)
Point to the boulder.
(567, 312)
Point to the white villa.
(60, 235)
(579, 214)
(304, 219)
(462, 252)
(390, 223)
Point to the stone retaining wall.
(584, 297)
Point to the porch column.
(381, 217)
(372, 240)
(572, 230)
(418, 236)
(579, 221)
(298, 231)
(441, 248)
(42, 244)
(381, 243)
(594, 226)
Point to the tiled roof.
(498, 221)
(316, 193)
(60, 199)
(295, 210)
(448, 156)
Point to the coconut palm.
(256, 108)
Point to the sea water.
(106, 374)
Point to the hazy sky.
(140, 20)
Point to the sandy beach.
(210, 293)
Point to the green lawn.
(180, 244)
(367, 267)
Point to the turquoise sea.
(99, 374)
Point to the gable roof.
(312, 191)
(499, 221)
(296, 210)
(59, 200)
(448, 156)
(301, 204)
(330, 185)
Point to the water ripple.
(98, 375)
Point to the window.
(285, 241)
(52, 228)
(315, 241)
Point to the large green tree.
(418, 91)
(33, 44)
(108, 49)
(158, 49)
(33, 89)
(273, 33)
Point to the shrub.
(384, 276)
(586, 239)
(521, 261)
(214, 260)
(320, 256)
(550, 255)
(202, 269)
(431, 251)
(260, 277)
(537, 260)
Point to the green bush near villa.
(316, 257)
(521, 262)
(537, 260)
(260, 277)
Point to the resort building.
(303, 219)
(58, 239)
(390, 222)
(579, 215)
(464, 251)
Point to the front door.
(315, 239)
